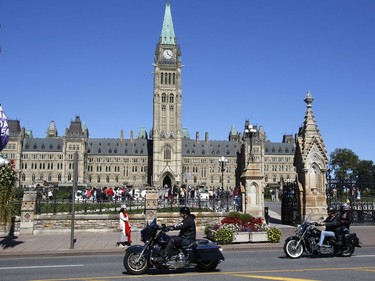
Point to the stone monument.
(311, 162)
(28, 212)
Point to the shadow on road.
(9, 241)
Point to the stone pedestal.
(28, 212)
(316, 206)
(252, 179)
(151, 204)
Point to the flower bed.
(242, 228)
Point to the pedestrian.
(359, 196)
(50, 194)
(125, 229)
(273, 195)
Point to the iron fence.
(63, 206)
(362, 212)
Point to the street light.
(222, 161)
(249, 130)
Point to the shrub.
(274, 234)
(224, 235)
(8, 178)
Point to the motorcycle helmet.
(185, 210)
(344, 207)
(331, 210)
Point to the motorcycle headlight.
(298, 229)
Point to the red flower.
(243, 222)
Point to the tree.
(344, 164)
(8, 180)
(348, 169)
(365, 175)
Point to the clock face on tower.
(168, 54)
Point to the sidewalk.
(91, 243)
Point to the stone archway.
(167, 181)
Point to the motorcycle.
(202, 253)
(308, 235)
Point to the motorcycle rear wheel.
(347, 251)
(133, 266)
(292, 250)
(207, 265)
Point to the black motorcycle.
(202, 253)
(307, 237)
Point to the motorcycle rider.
(344, 220)
(331, 223)
(186, 235)
(345, 216)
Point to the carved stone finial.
(309, 99)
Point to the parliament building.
(165, 156)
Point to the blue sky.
(244, 59)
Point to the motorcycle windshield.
(307, 219)
(148, 231)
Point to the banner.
(4, 129)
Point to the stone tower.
(311, 162)
(167, 131)
(252, 178)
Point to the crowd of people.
(190, 192)
(190, 195)
(108, 194)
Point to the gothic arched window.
(167, 153)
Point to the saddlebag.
(208, 251)
(352, 238)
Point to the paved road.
(101, 242)
(255, 264)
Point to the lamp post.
(222, 161)
(249, 130)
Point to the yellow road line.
(247, 274)
(272, 277)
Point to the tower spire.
(167, 33)
(310, 126)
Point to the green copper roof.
(142, 133)
(233, 131)
(185, 133)
(167, 33)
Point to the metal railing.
(362, 212)
(64, 206)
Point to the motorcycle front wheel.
(135, 264)
(347, 251)
(292, 250)
(207, 265)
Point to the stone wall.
(43, 224)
